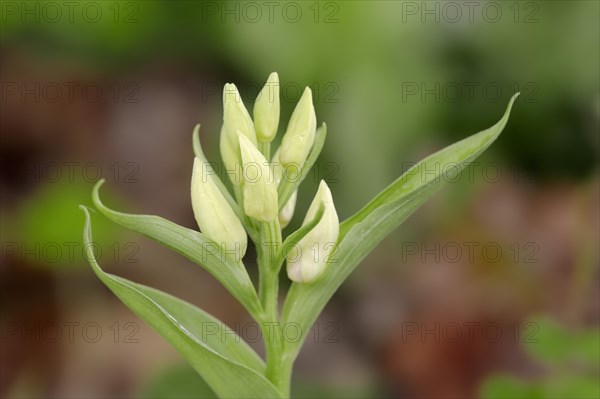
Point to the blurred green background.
(113, 89)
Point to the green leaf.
(507, 387)
(287, 186)
(586, 347)
(561, 385)
(551, 342)
(293, 239)
(368, 227)
(227, 364)
(177, 382)
(557, 346)
(572, 386)
(193, 245)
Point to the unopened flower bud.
(213, 214)
(287, 212)
(266, 110)
(260, 188)
(230, 157)
(313, 250)
(235, 118)
(300, 134)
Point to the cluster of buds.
(245, 149)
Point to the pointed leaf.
(362, 232)
(292, 240)
(227, 364)
(193, 245)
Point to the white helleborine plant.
(320, 254)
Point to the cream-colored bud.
(266, 110)
(213, 214)
(235, 118)
(311, 256)
(300, 134)
(287, 212)
(260, 188)
(230, 157)
(235, 115)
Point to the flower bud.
(213, 214)
(260, 189)
(287, 212)
(230, 157)
(314, 249)
(266, 110)
(300, 134)
(235, 118)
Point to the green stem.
(284, 372)
(268, 288)
(270, 241)
(274, 350)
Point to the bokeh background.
(490, 290)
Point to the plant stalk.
(268, 288)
